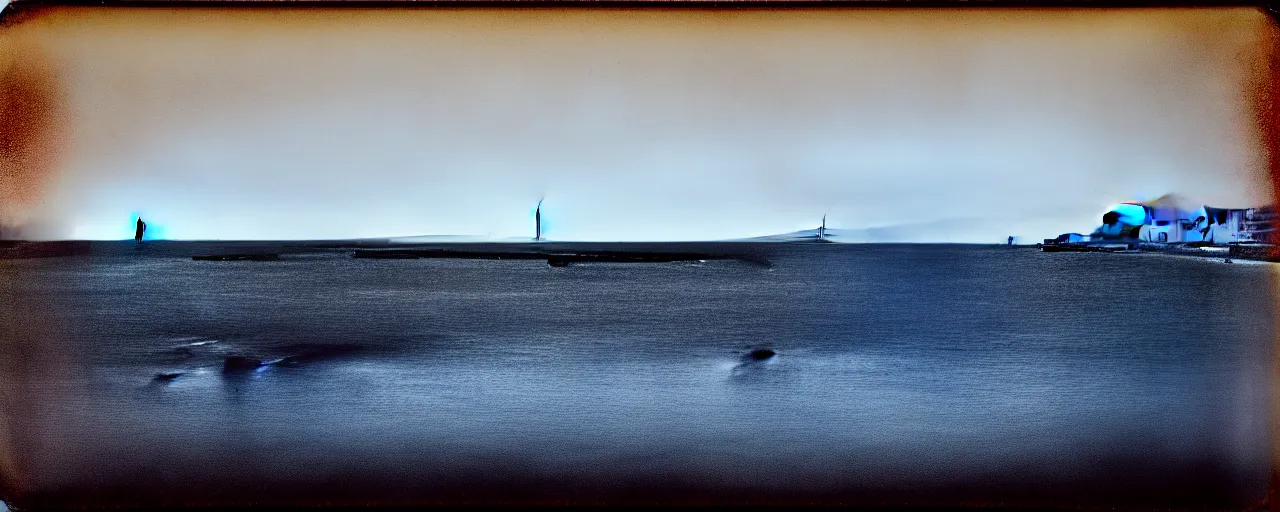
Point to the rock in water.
(761, 354)
(240, 364)
(167, 376)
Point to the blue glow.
(154, 231)
(1132, 214)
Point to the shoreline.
(556, 253)
(1260, 253)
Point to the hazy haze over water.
(634, 124)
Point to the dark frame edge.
(1271, 6)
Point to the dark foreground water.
(904, 374)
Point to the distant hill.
(939, 231)
(913, 232)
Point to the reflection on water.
(901, 373)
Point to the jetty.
(555, 258)
(24, 250)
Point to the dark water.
(904, 374)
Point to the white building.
(1174, 219)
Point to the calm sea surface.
(904, 374)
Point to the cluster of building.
(1172, 219)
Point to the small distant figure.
(1010, 241)
(142, 228)
(537, 222)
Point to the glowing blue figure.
(145, 230)
(141, 229)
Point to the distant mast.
(141, 228)
(822, 230)
(537, 222)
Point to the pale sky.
(633, 124)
